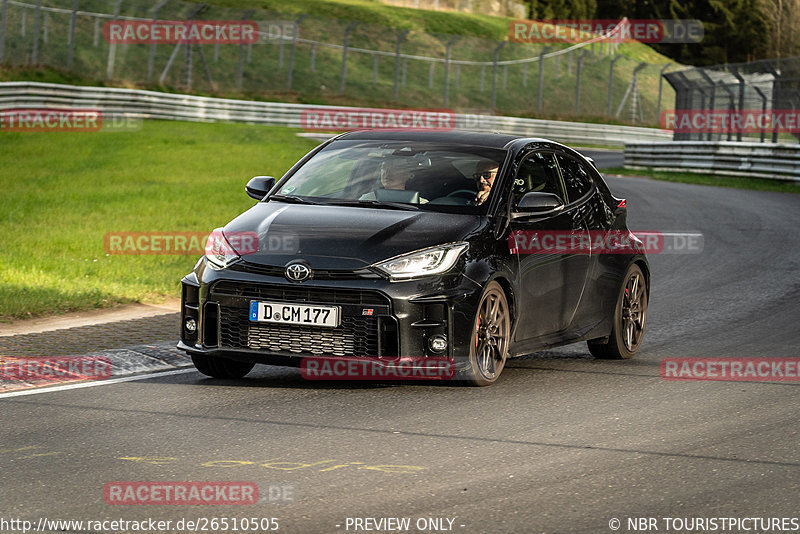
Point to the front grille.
(299, 293)
(356, 336)
(318, 274)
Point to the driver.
(485, 174)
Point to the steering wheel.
(462, 193)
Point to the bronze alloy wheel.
(490, 334)
(630, 318)
(634, 311)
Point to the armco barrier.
(138, 103)
(758, 160)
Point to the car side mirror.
(259, 186)
(537, 203)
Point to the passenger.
(485, 174)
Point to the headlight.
(425, 262)
(219, 252)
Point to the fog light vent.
(438, 343)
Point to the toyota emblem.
(297, 272)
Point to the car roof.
(458, 137)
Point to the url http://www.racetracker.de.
(199, 524)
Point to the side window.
(577, 179)
(537, 172)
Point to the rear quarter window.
(577, 177)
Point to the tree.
(735, 30)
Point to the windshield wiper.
(376, 204)
(292, 199)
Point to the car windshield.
(396, 174)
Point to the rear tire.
(220, 367)
(629, 321)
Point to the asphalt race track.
(603, 159)
(563, 443)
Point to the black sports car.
(393, 245)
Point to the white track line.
(36, 391)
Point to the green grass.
(378, 13)
(62, 192)
(755, 184)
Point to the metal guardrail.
(773, 161)
(136, 103)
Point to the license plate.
(286, 313)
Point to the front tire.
(630, 317)
(490, 335)
(220, 367)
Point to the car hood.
(340, 237)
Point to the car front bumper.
(379, 318)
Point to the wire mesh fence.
(759, 99)
(316, 59)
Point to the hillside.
(317, 66)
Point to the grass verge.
(62, 192)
